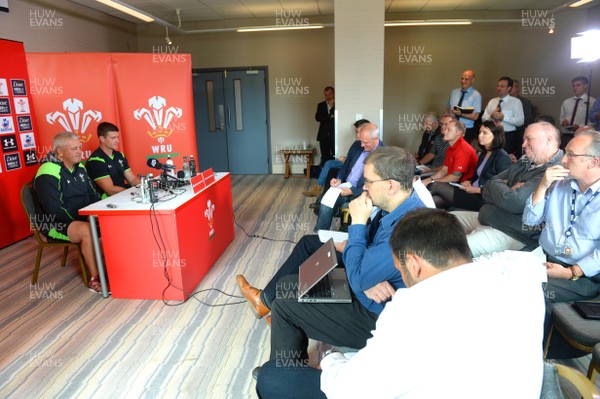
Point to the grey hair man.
(498, 225)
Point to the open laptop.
(319, 281)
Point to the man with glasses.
(498, 226)
(351, 173)
(366, 256)
(566, 201)
(450, 310)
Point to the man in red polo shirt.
(461, 159)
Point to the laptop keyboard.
(322, 289)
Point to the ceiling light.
(127, 9)
(579, 3)
(278, 27)
(429, 22)
(167, 38)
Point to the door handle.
(228, 116)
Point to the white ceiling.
(215, 10)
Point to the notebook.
(319, 281)
(588, 309)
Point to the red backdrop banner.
(156, 106)
(18, 136)
(72, 92)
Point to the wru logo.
(159, 117)
(75, 120)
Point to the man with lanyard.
(108, 167)
(566, 201)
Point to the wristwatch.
(574, 276)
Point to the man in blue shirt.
(566, 200)
(466, 97)
(366, 255)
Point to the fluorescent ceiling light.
(579, 3)
(127, 9)
(278, 27)
(429, 22)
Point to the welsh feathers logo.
(209, 214)
(158, 116)
(76, 119)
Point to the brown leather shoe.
(314, 191)
(252, 295)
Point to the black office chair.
(27, 200)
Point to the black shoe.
(314, 205)
(255, 372)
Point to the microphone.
(155, 164)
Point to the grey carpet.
(59, 340)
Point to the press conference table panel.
(182, 237)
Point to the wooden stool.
(286, 157)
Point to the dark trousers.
(281, 379)
(446, 196)
(512, 139)
(307, 246)
(293, 323)
(471, 134)
(327, 147)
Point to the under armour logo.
(9, 142)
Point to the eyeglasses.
(569, 155)
(367, 181)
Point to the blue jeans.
(331, 164)
(277, 380)
(326, 213)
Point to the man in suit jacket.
(351, 172)
(326, 119)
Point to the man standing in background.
(466, 97)
(574, 110)
(507, 111)
(326, 118)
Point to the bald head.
(466, 79)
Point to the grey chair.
(28, 202)
(563, 382)
(594, 364)
(580, 333)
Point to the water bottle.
(186, 168)
(192, 166)
(170, 172)
(144, 189)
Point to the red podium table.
(181, 237)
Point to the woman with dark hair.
(492, 160)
